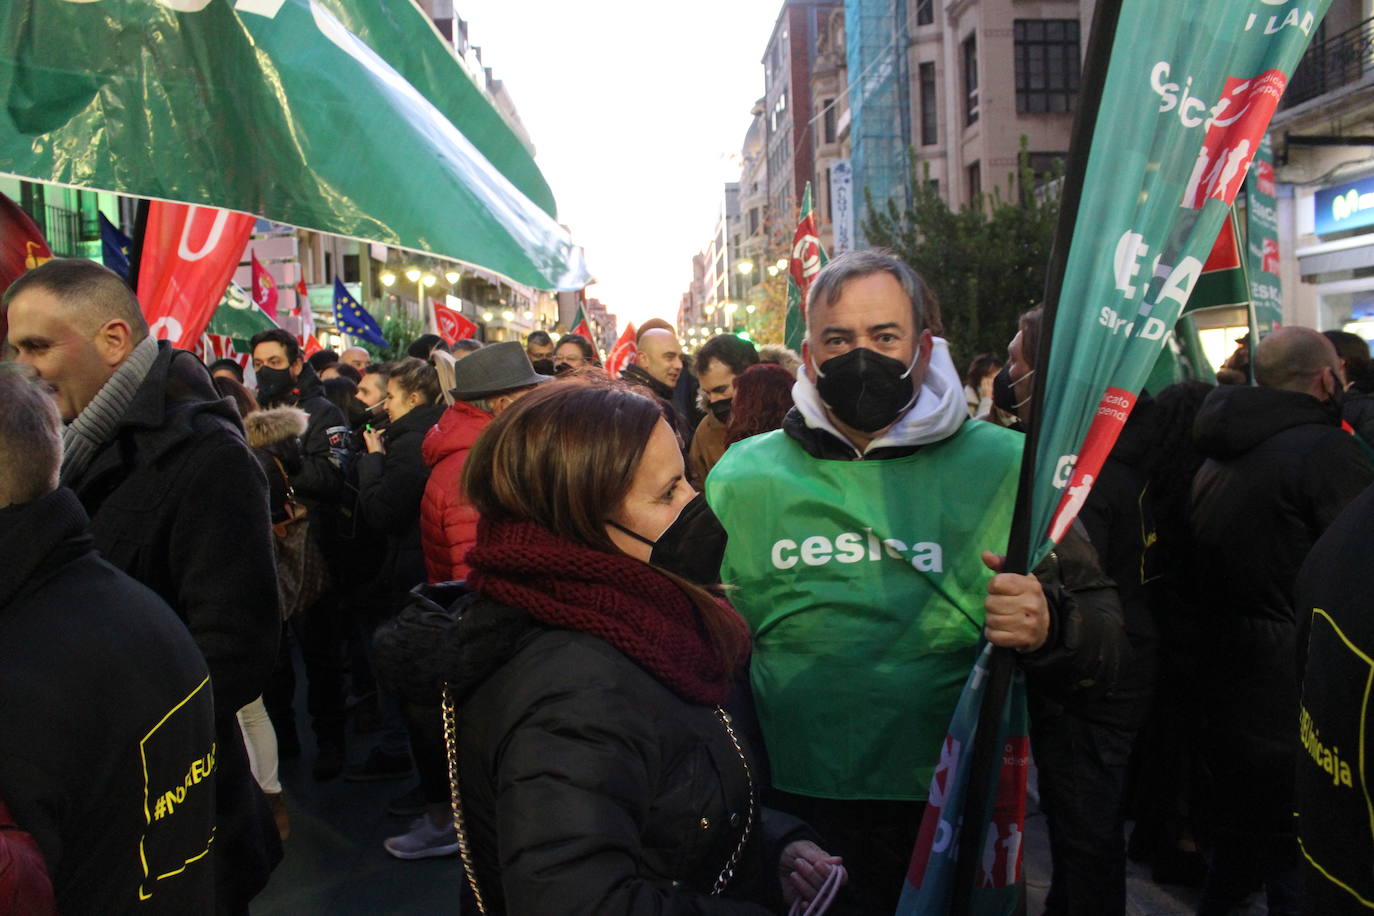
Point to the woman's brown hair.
(416, 375)
(564, 457)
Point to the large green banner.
(345, 116)
(1188, 95)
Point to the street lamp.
(529, 315)
(709, 310)
(751, 309)
(453, 276)
(772, 270)
(507, 315)
(387, 278)
(782, 264)
(487, 316)
(413, 274)
(745, 267)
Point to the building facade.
(1324, 166)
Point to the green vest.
(863, 585)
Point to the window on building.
(975, 180)
(930, 123)
(1046, 65)
(925, 12)
(970, 58)
(1046, 167)
(328, 266)
(828, 120)
(779, 107)
(754, 217)
(352, 272)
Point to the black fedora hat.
(494, 369)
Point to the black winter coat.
(91, 664)
(390, 488)
(177, 501)
(588, 786)
(319, 480)
(1279, 471)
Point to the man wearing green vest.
(857, 553)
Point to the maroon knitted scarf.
(613, 597)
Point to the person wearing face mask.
(719, 361)
(286, 379)
(597, 768)
(858, 551)
(1278, 470)
(574, 352)
(539, 349)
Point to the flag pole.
(985, 753)
(136, 249)
(1252, 318)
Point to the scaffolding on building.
(879, 103)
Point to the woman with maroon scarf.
(598, 772)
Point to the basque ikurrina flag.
(353, 319)
(808, 257)
(1176, 98)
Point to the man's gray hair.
(853, 265)
(30, 436)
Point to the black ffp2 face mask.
(692, 547)
(274, 384)
(721, 409)
(866, 390)
(543, 366)
(1004, 391)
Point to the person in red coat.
(486, 382)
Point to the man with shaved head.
(356, 357)
(657, 367)
(176, 500)
(1279, 470)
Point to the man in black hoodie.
(111, 770)
(1279, 470)
(286, 379)
(176, 500)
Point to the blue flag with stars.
(114, 248)
(353, 319)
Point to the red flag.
(453, 326)
(624, 351)
(301, 290)
(189, 255)
(264, 289)
(22, 247)
(310, 345)
(219, 346)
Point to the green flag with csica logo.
(1177, 96)
(347, 116)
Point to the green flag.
(288, 109)
(807, 259)
(1262, 238)
(239, 318)
(1187, 98)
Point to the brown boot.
(277, 803)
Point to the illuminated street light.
(529, 316)
(750, 309)
(413, 274)
(772, 270)
(709, 310)
(730, 309)
(745, 267)
(782, 264)
(487, 316)
(452, 276)
(428, 280)
(507, 315)
(387, 277)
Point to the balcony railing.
(62, 228)
(1338, 61)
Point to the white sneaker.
(424, 841)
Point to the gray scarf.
(96, 424)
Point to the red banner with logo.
(453, 326)
(189, 256)
(624, 351)
(22, 247)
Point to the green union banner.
(287, 109)
(1189, 93)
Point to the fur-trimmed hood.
(267, 427)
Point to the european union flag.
(353, 319)
(114, 248)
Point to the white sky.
(637, 111)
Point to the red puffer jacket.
(448, 525)
(24, 886)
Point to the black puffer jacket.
(588, 786)
(1279, 471)
(390, 488)
(319, 480)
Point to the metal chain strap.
(456, 800)
(728, 871)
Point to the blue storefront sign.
(1345, 206)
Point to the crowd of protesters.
(683, 641)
